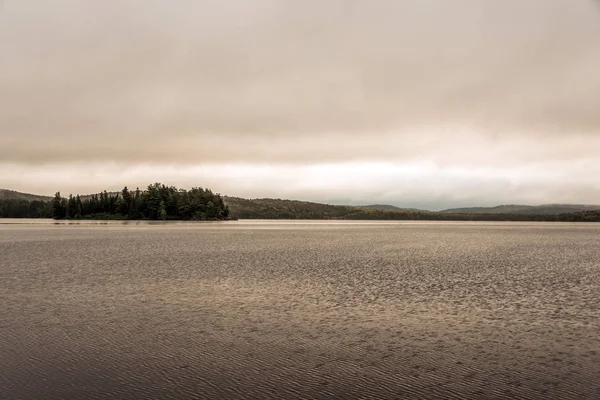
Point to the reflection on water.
(299, 309)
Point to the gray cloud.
(286, 81)
(131, 91)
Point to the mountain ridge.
(7, 194)
(554, 208)
(389, 207)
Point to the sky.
(417, 103)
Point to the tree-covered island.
(156, 202)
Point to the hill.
(293, 209)
(388, 207)
(284, 209)
(6, 194)
(524, 209)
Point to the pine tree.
(71, 208)
(58, 211)
(162, 211)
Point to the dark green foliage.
(72, 211)
(285, 209)
(157, 202)
(59, 207)
(21, 208)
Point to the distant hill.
(525, 209)
(284, 209)
(388, 207)
(6, 194)
(511, 208)
(293, 209)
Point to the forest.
(22, 208)
(156, 202)
(160, 202)
(293, 209)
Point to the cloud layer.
(505, 85)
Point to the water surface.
(299, 309)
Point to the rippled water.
(299, 310)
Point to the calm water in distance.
(299, 309)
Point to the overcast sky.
(423, 103)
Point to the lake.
(299, 309)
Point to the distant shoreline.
(571, 217)
(159, 202)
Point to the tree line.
(22, 208)
(581, 216)
(157, 202)
(160, 202)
